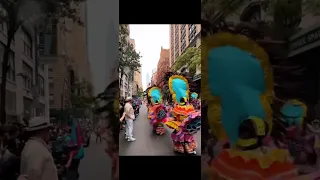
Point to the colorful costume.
(238, 86)
(186, 121)
(149, 104)
(158, 113)
(302, 147)
(195, 101)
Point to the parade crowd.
(179, 112)
(43, 151)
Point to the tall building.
(163, 65)
(22, 76)
(183, 36)
(148, 79)
(126, 81)
(136, 84)
(69, 51)
(154, 78)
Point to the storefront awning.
(306, 39)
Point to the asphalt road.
(96, 164)
(147, 143)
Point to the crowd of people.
(251, 139)
(180, 113)
(43, 151)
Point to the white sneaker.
(131, 139)
(126, 137)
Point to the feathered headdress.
(194, 95)
(155, 95)
(236, 75)
(179, 88)
(294, 112)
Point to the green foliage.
(127, 54)
(82, 96)
(16, 13)
(140, 92)
(191, 58)
(285, 16)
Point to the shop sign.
(308, 38)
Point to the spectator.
(36, 159)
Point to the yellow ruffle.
(265, 159)
(242, 42)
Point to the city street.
(96, 163)
(147, 143)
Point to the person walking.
(129, 117)
(36, 159)
(98, 135)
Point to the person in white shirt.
(129, 117)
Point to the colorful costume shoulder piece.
(237, 83)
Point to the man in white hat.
(129, 117)
(36, 159)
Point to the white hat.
(38, 123)
(128, 98)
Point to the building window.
(28, 76)
(40, 111)
(27, 44)
(11, 73)
(51, 98)
(27, 104)
(50, 69)
(41, 86)
(11, 101)
(3, 24)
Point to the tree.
(140, 92)
(82, 97)
(107, 103)
(127, 54)
(284, 22)
(191, 59)
(20, 12)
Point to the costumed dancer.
(149, 104)
(195, 101)
(289, 132)
(237, 84)
(159, 113)
(186, 121)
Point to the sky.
(149, 39)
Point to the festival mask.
(155, 94)
(194, 96)
(293, 113)
(237, 82)
(179, 88)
